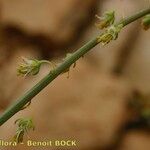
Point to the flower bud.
(146, 22)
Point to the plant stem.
(134, 17)
(23, 100)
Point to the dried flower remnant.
(106, 20)
(146, 22)
(24, 126)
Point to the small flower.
(106, 20)
(30, 66)
(110, 34)
(146, 22)
(24, 125)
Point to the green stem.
(23, 100)
(134, 17)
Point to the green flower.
(110, 34)
(24, 125)
(30, 66)
(146, 22)
(106, 20)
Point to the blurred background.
(105, 103)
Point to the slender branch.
(134, 17)
(23, 100)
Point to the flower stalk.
(24, 99)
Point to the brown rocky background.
(101, 103)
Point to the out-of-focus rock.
(90, 106)
(137, 69)
(136, 140)
(59, 20)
